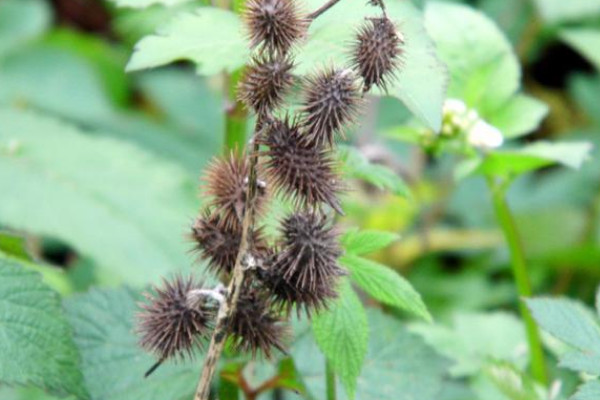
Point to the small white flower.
(555, 390)
(454, 106)
(484, 135)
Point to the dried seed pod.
(170, 325)
(309, 251)
(377, 52)
(254, 326)
(300, 171)
(332, 99)
(289, 295)
(274, 24)
(266, 81)
(220, 244)
(226, 182)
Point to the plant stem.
(330, 381)
(235, 116)
(519, 266)
(228, 307)
(315, 14)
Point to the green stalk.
(330, 381)
(235, 117)
(519, 266)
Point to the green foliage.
(14, 246)
(513, 383)
(557, 11)
(21, 21)
(357, 166)
(366, 241)
(123, 207)
(385, 285)
(573, 324)
(588, 391)
(146, 3)
(113, 364)
(194, 37)
(519, 116)
(342, 335)
(398, 365)
(190, 36)
(36, 344)
(586, 41)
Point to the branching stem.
(315, 14)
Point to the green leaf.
(36, 344)
(588, 391)
(342, 335)
(385, 285)
(484, 70)
(555, 11)
(398, 365)
(421, 83)
(521, 115)
(367, 241)
(112, 362)
(357, 166)
(586, 41)
(568, 321)
(210, 37)
(14, 246)
(21, 21)
(108, 199)
(534, 156)
(474, 338)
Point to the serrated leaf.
(588, 391)
(342, 335)
(367, 241)
(36, 343)
(555, 11)
(398, 365)
(108, 199)
(484, 70)
(357, 166)
(21, 21)
(568, 321)
(521, 115)
(210, 37)
(385, 285)
(582, 362)
(422, 80)
(112, 362)
(586, 41)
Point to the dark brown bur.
(265, 83)
(331, 100)
(171, 325)
(226, 183)
(219, 243)
(300, 171)
(274, 24)
(377, 52)
(255, 327)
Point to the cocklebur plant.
(290, 155)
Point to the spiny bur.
(274, 25)
(265, 83)
(170, 324)
(377, 52)
(331, 100)
(302, 172)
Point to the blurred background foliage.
(107, 187)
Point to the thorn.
(153, 368)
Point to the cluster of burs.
(292, 157)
